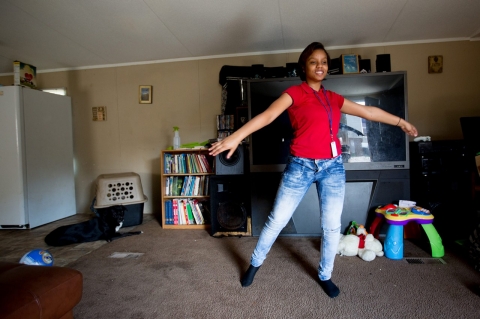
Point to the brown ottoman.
(38, 291)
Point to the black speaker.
(229, 206)
(383, 63)
(335, 66)
(441, 182)
(258, 71)
(235, 165)
(365, 65)
(292, 69)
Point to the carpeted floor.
(189, 274)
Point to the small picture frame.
(99, 113)
(145, 94)
(350, 64)
(435, 64)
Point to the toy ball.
(38, 257)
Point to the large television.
(366, 145)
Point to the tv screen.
(366, 145)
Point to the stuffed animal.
(348, 245)
(372, 247)
(362, 244)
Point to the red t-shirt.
(310, 123)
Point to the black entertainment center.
(375, 155)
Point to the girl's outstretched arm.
(231, 142)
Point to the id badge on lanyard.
(333, 145)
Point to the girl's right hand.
(228, 143)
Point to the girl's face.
(316, 66)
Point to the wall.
(188, 95)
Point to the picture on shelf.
(350, 63)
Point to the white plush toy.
(349, 245)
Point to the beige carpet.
(189, 274)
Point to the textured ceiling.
(68, 34)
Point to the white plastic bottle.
(176, 138)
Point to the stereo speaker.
(383, 63)
(335, 66)
(292, 69)
(229, 206)
(365, 65)
(234, 165)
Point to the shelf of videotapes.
(185, 188)
(225, 125)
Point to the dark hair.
(302, 60)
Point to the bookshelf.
(184, 165)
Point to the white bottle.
(176, 138)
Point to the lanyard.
(329, 110)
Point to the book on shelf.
(194, 164)
(196, 186)
(181, 213)
(167, 186)
(200, 185)
(186, 185)
(175, 211)
(188, 162)
(179, 187)
(168, 212)
(192, 185)
(172, 218)
(207, 187)
(189, 191)
(173, 184)
(180, 163)
(185, 212)
(191, 218)
(205, 211)
(202, 159)
(167, 220)
(199, 165)
(205, 162)
(167, 163)
(197, 212)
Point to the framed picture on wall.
(350, 63)
(145, 94)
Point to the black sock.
(247, 278)
(330, 288)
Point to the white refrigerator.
(36, 158)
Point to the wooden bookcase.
(164, 177)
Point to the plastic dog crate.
(121, 189)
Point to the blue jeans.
(299, 174)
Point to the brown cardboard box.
(24, 74)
